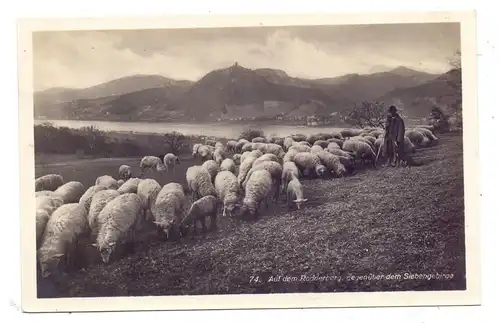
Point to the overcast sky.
(85, 58)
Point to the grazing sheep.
(151, 163)
(210, 142)
(246, 165)
(86, 198)
(332, 162)
(120, 219)
(377, 133)
(199, 182)
(129, 186)
(312, 138)
(212, 168)
(259, 140)
(206, 152)
(195, 150)
(246, 147)
(274, 168)
(340, 152)
(257, 190)
(428, 133)
(71, 192)
(228, 191)
(120, 182)
(219, 155)
(237, 159)
(290, 170)
(295, 193)
(306, 162)
(300, 148)
(290, 155)
(219, 145)
(45, 206)
(99, 201)
(370, 138)
(107, 181)
(288, 142)
(260, 146)
(361, 149)
(336, 135)
(315, 149)
(322, 143)
(170, 207)
(198, 212)
(304, 143)
(170, 160)
(363, 139)
(240, 144)
(350, 132)
(229, 165)
(44, 193)
(50, 182)
(418, 138)
(256, 153)
(275, 149)
(265, 157)
(148, 190)
(124, 172)
(64, 228)
(231, 145)
(339, 142)
(333, 145)
(298, 137)
(409, 146)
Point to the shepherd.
(394, 136)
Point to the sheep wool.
(71, 192)
(262, 147)
(290, 170)
(120, 182)
(274, 168)
(360, 149)
(212, 167)
(195, 149)
(62, 231)
(170, 207)
(86, 198)
(290, 155)
(295, 193)
(130, 186)
(300, 148)
(257, 190)
(199, 182)
(275, 149)
(151, 163)
(228, 191)
(45, 206)
(231, 145)
(124, 172)
(228, 165)
(50, 182)
(417, 138)
(198, 212)
(99, 201)
(148, 190)
(265, 157)
(332, 162)
(119, 221)
(288, 142)
(107, 181)
(245, 167)
(322, 143)
(219, 155)
(259, 140)
(306, 162)
(170, 160)
(315, 149)
(427, 132)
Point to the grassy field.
(396, 221)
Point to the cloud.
(85, 58)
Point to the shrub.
(249, 134)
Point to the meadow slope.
(378, 221)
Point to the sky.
(79, 59)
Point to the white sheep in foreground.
(295, 193)
(99, 201)
(246, 165)
(363, 139)
(360, 149)
(71, 192)
(219, 145)
(107, 181)
(45, 206)
(340, 152)
(212, 167)
(333, 145)
(228, 191)
(274, 168)
(332, 162)
(198, 212)
(120, 182)
(265, 157)
(257, 190)
(350, 132)
(130, 186)
(124, 172)
(170, 160)
(315, 149)
(50, 182)
(290, 170)
(120, 219)
(307, 162)
(86, 198)
(336, 135)
(65, 227)
(148, 190)
(169, 208)
(229, 165)
(151, 163)
(199, 182)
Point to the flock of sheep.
(237, 177)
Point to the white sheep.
(219, 155)
(120, 219)
(45, 206)
(340, 152)
(288, 142)
(199, 182)
(246, 147)
(198, 212)
(259, 140)
(99, 201)
(307, 162)
(257, 190)
(240, 144)
(44, 193)
(265, 157)
(246, 165)
(275, 149)
(274, 168)
(170, 160)
(195, 149)
(107, 181)
(290, 170)
(322, 143)
(333, 145)
(130, 186)
(231, 145)
(346, 133)
(152, 163)
(300, 148)
(237, 159)
(229, 165)
(64, 228)
(337, 141)
(295, 193)
(219, 145)
(50, 182)
(86, 198)
(120, 182)
(169, 208)
(315, 149)
(418, 138)
(71, 192)
(228, 191)
(148, 190)
(124, 172)
(299, 137)
(332, 162)
(212, 167)
(206, 152)
(427, 132)
(262, 147)
(290, 155)
(336, 135)
(360, 149)
(304, 143)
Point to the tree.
(175, 141)
(454, 80)
(249, 134)
(367, 114)
(439, 119)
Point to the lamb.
(195, 150)
(170, 206)
(44, 193)
(50, 182)
(259, 140)
(417, 138)
(322, 143)
(148, 190)
(199, 182)
(71, 192)
(265, 157)
(360, 149)
(290, 170)
(228, 165)
(260, 146)
(257, 190)
(99, 201)
(315, 149)
(201, 209)
(152, 163)
(228, 191)
(86, 198)
(219, 155)
(231, 145)
(245, 167)
(212, 167)
(332, 162)
(124, 172)
(45, 206)
(295, 193)
(274, 168)
(237, 159)
(306, 162)
(107, 181)
(170, 160)
(64, 228)
(275, 149)
(300, 148)
(119, 218)
(129, 186)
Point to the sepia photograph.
(246, 162)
